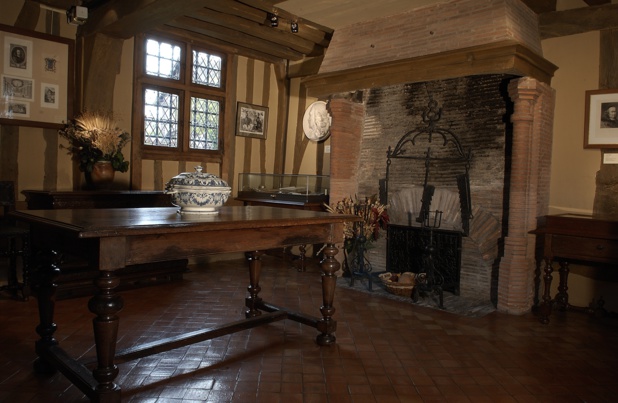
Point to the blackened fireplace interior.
(406, 250)
(426, 238)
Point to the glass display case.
(283, 188)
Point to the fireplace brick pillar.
(528, 193)
(345, 145)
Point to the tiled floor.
(386, 351)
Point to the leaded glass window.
(204, 134)
(163, 59)
(181, 85)
(206, 69)
(160, 118)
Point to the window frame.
(185, 89)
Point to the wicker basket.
(403, 290)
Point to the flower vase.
(102, 175)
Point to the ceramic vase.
(102, 175)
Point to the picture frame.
(251, 120)
(37, 78)
(601, 119)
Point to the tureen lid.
(197, 178)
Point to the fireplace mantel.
(506, 57)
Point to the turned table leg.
(562, 298)
(545, 310)
(255, 268)
(327, 325)
(45, 288)
(302, 256)
(105, 305)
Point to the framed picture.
(17, 88)
(17, 109)
(48, 95)
(36, 78)
(601, 123)
(18, 56)
(251, 121)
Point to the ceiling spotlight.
(294, 27)
(77, 15)
(274, 20)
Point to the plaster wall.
(574, 168)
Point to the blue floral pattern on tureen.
(198, 192)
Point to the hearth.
(406, 250)
(422, 246)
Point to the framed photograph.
(37, 79)
(251, 121)
(601, 122)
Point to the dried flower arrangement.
(375, 218)
(95, 137)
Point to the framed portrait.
(601, 121)
(37, 78)
(18, 56)
(251, 121)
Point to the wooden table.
(573, 238)
(77, 278)
(116, 238)
(293, 204)
(52, 199)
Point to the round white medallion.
(316, 121)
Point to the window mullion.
(186, 119)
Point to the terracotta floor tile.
(386, 351)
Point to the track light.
(77, 15)
(294, 27)
(274, 20)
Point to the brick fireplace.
(494, 94)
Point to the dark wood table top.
(97, 223)
(121, 237)
(580, 225)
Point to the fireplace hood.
(505, 57)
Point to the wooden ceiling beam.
(578, 20)
(266, 33)
(306, 29)
(223, 46)
(235, 37)
(59, 4)
(125, 19)
(268, 6)
(597, 2)
(541, 6)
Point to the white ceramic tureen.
(198, 192)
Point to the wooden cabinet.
(572, 238)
